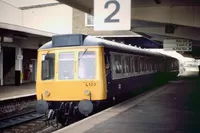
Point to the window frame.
(77, 65)
(54, 70)
(74, 74)
(86, 20)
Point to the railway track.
(8, 107)
(16, 113)
(19, 119)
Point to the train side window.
(130, 65)
(133, 64)
(86, 65)
(142, 64)
(151, 65)
(147, 65)
(118, 64)
(136, 64)
(124, 64)
(66, 66)
(127, 64)
(156, 66)
(48, 66)
(139, 64)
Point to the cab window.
(66, 66)
(48, 63)
(86, 64)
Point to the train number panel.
(90, 84)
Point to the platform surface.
(11, 92)
(173, 108)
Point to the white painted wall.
(56, 19)
(10, 14)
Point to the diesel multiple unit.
(76, 73)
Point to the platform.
(173, 108)
(12, 92)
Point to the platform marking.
(16, 97)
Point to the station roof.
(10, 30)
(7, 29)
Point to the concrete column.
(1, 67)
(1, 62)
(18, 65)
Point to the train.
(76, 73)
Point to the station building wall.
(55, 19)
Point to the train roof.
(70, 40)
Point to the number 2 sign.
(112, 15)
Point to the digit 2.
(109, 18)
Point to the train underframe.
(66, 112)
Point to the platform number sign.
(112, 15)
(110, 19)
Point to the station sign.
(177, 45)
(112, 15)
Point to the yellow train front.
(70, 76)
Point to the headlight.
(87, 92)
(47, 93)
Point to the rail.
(19, 119)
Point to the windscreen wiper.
(83, 54)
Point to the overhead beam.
(180, 15)
(157, 39)
(76, 5)
(39, 6)
(25, 30)
(180, 32)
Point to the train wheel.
(61, 118)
